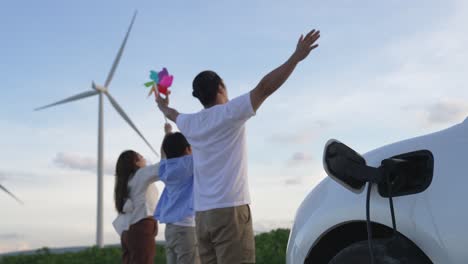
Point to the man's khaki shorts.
(225, 235)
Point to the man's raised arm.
(163, 104)
(273, 80)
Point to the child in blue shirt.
(175, 207)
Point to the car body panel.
(433, 220)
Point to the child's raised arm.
(167, 131)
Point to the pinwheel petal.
(162, 89)
(166, 81)
(154, 76)
(149, 84)
(163, 73)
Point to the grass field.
(270, 248)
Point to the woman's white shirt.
(142, 198)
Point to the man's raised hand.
(305, 45)
(163, 104)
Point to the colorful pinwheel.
(162, 80)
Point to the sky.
(384, 71)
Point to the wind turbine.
(103, 91)
(11, 194)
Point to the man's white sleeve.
(239, 108)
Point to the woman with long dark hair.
(135, 200)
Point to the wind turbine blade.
(126, 118)
(12, 195)
(119, 54)
(70, 99)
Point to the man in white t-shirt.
(217, 136)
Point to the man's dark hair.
(174, 145)
(205, 87)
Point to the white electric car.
(427, 177)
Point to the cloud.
(301, 136)
(294, 181)
(323, 123)
(445, 112)
(300, 158)
(439, 112)
(17, 179)
(7, 175)
(11, 236)
(10, 175)
(14, 247)
(76, 162)
(297, 159)
(12, 242)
